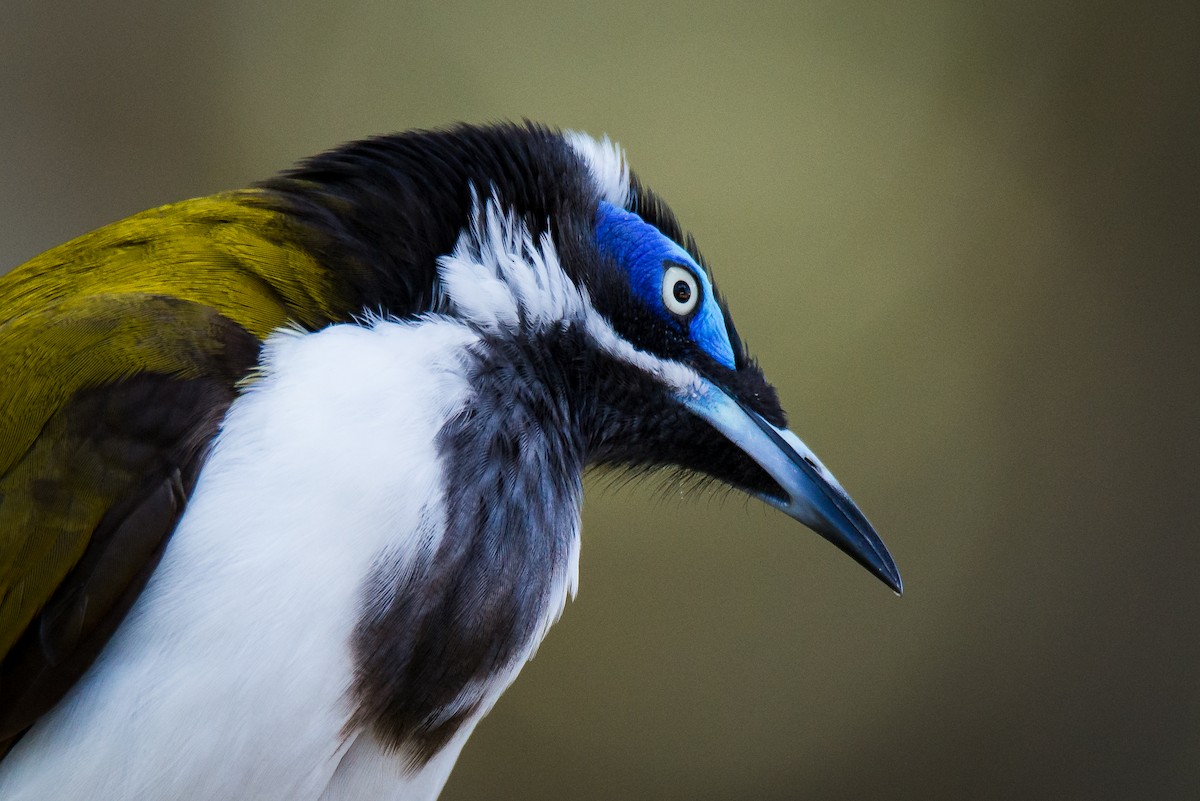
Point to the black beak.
(810, 492)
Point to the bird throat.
(498, 558)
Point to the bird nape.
(290, 477)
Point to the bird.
(291, 476)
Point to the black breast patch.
(438, 631)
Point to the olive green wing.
(120, 352)
(108, 403)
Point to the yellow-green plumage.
(228, 251)
(163, 294)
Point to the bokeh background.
(961, 238)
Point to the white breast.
(228, 679)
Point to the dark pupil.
(682, 291)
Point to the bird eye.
(680, 290)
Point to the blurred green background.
(961, 239)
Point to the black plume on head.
(380, 211)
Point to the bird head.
(547, 244)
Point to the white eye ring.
(680, 290)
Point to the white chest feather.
(229, 678)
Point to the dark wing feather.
(90, 494)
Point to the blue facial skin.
(646, 253)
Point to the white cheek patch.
(501, 281)
(498, 279)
